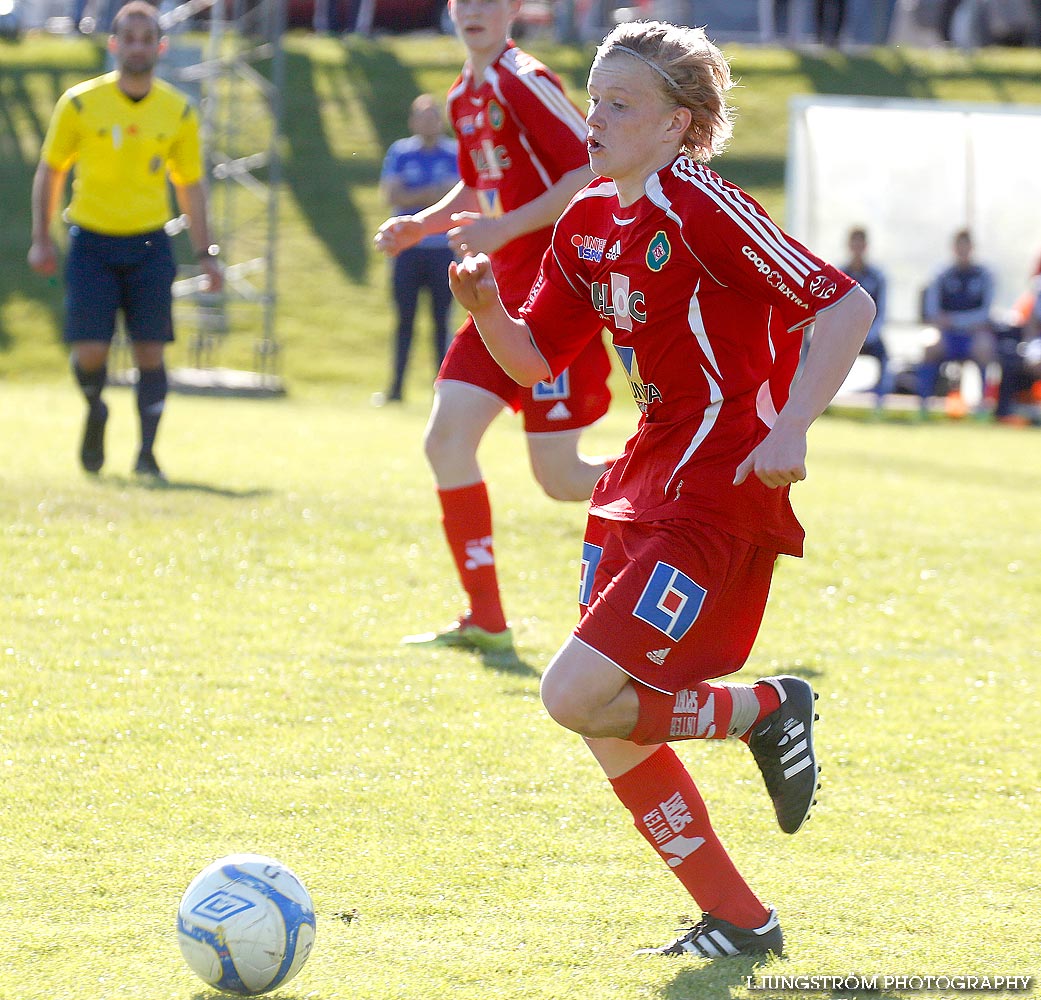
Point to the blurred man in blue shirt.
(417, 172)
(873, 281)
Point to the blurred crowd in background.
(841, 23)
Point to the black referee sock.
(91, 383)
(151, 398)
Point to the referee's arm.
(48, 184)
(191, 198)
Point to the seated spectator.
(958, 302)
(1020, 358)
(873, 281)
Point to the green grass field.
(214, 667)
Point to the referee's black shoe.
(782, 745)
(92, 450)
(147, 467)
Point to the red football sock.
(467, 521)
(703, 712)
(668, 810)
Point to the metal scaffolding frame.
(215, 47)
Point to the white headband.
(649, 62)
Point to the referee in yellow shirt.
(122, 134)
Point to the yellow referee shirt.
(122, 151)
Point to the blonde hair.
(690, 71)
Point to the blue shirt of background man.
(966, 294)
(873, 281)
(416, 166)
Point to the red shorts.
(577, 399)
(671, 603)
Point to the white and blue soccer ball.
(246, 924)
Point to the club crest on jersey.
(659, 251)
(589, 247)
(496, 116)
(671, 601)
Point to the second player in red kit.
(521, 158)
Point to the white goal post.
(913, 172)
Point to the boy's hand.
(778, 460)
(397, 234)
(475, 233)
(473, 283)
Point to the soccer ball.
(246, 924)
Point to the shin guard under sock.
(706, 711)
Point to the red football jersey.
(518, 135)
(706, 299)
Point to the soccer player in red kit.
(706, 300)
(521, 158)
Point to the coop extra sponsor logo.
(773, 278)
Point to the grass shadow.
(324, 196)
(384, 85)
(509, 662)
(27, 98)
(375, 79)
(712, 980)
(892, 75)
(186, 486)
(220, 995)
(752, 171)
(806, 673)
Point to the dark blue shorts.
(106, 274)
(957, 346)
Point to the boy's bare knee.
(571, 480)
(565, 711)
(571, 708)
(558, 486)
(436, 445)
(582, 690)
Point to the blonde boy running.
(706, 300)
